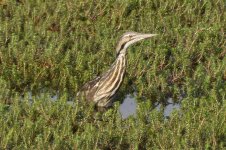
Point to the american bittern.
(102, 89)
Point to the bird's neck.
(114, 76)
(120, 64)
(121, 59)
(123, 52)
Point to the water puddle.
(127, 108)
(129, 105)
(169, 108)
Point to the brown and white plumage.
(101, 89)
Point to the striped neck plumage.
(119, 71)
(112, 80)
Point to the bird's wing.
(100, 91)
(91, 84)
(91, 88)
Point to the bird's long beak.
(144, 36)
(141, 36)
(136, 38)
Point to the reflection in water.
(168, 109)
(128, 107)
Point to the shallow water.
(169, 108)
(129, 105)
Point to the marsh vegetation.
(54, 47)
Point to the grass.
(55, 47)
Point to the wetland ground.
(60, 45)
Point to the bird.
(102, 89)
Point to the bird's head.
(130, 38)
